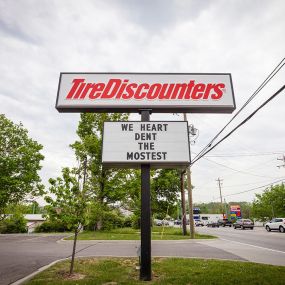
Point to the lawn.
(158, 233)
(177, 271)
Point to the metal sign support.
(145, 269)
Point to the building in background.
(33, 220)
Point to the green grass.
(176, 271)
(158, 233)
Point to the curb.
(30, 276)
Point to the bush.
(127, 222)
(51, 226)
(111, 220)
(136, 221)
(107, 219)
(14, 224)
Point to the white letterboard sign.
(160, 144)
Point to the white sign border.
(154, 109)
(154, 165)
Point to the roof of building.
(34, 217)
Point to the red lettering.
(198, 91)
(207, 91)
(162, 94)
(190, 86)
(110, 88)
(179, 90)
(154, 91)
(130, 91)
(76, 83)
(96, 90)
(219, 92)
(86, 89)
(138, 93)
(122, 89)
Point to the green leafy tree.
(25, 208)
(20, 159)
(68, 204)
(15, 223)
(270, 204)
(106, 185)
(165, 192)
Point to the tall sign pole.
(145, 269)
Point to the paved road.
(21, 255)
(256, 245)
(258, 236)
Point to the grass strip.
(179, 271)
(132, 234)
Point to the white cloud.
(39, 39)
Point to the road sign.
(160, 144)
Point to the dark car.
(199, 223)
(225, 223)
(244, 224)
(213, 224)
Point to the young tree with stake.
(69, 204)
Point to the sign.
(161, 144)
(160, 92)
(235, 212)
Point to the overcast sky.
(40, 39)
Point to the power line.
(263, 84)
(244, 154)
(237, 170)
(252, 189)
(240, 124)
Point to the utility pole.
(189, 186)
(184, 229)
(282, 159)
(220, 188)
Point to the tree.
(69, 205)
(107, 185)
(270, 204)
(20, 159)
(165, 192)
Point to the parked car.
(165, 222)
(158, 223)
(213, 224)
(225, 223)
(199, 224)
(276, 224)
(244, 224)
(161, 223)
(177, 222)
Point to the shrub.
(108, 219)
(127, 222)
(51, 226)
(136, 221)
(14, 224)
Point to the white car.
(276, 224)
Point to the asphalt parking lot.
(23, 254)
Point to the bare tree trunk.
(73, 251)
